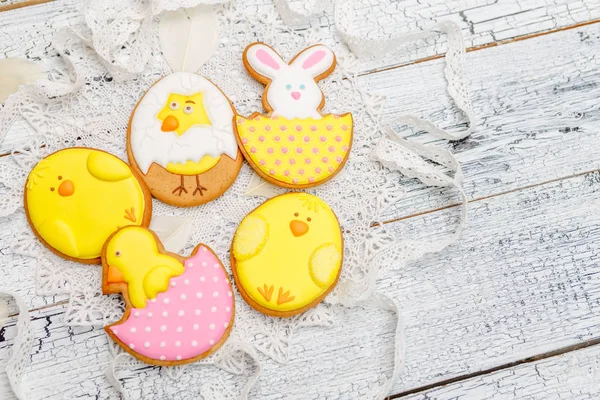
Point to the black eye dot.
(117, 253)
(308, 219)
(59, 177)
(296, 214)
(52, 189)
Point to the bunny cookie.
(294, 145)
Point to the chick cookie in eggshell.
(181, 141)
(77, 197)
(286, 255)
(294, 145)
(178, 309)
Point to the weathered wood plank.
(574, 375)
(7, 5)
(538, 109)
(482, 24)
(530, 284)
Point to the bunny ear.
(263, 61)
(318, 60)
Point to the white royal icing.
(298, 77)
(150, 144)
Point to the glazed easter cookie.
(293, 145)
(178, 309)
(180, 139)
(286, 255)
(76, 198)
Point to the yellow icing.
(104, 196)
(298, 151)
(193, 168)
(134, 252)
(276, 264)
(185, 121)
(107, 167)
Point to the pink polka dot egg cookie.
(293, 145)
(178, 309)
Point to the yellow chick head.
(127, 254)
(182, 112)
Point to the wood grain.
(571, 375)
(529, 285)
(8, 5)
(537, 105)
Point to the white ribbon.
(21, 348)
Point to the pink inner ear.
(266, 59)
(313, 59)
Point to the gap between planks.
(542, 356)
(23, 4)
(488, 197)
(485, 46)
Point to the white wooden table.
(513, 310)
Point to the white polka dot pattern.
(188, 323)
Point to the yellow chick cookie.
(287, 254)
(76, 198)
(177, 309)
(180, 139)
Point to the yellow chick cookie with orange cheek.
(76, 198)
(287, 254)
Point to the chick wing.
(250, 237)
(324, 265)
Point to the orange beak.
(114, 275)
(169, 124)
(66, 188)
(298, 228)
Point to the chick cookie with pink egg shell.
(178, 309)
(293, 145)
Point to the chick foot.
(199, 187)
(181, 188)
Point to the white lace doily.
(111, 59)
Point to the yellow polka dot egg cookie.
(286, 255)
(76, 198)
(294, 145)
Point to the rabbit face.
(292, 91)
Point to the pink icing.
(299, 150)
(252, 129)
(307, 139)
(261, 138)
(270, 150)
(313, 128)
(267, 128)
(315, 150)
(276, 138)
(307, 160)
(313, 59)
(298, 128)
(266, 59)
(318, 170)
(244, 140)
(283, 127)
(323, 138)
(186, 320)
